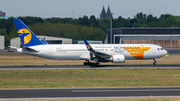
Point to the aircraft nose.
(165, 52)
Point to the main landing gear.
(87, 63)
(95, 64)
(155, 60)
(91, 64)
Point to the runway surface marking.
(89, 98)
(125, 90)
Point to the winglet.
(44, 41)
(88, 46)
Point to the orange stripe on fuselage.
(137, 52)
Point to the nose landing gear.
(155, 60)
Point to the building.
(8, 17)
(2, 14)
(90, 42)
(50, 40)
(1, 42)
(105, 15)
(165, 37)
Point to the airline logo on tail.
(26, 34)
(88, 46)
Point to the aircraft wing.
(102, 55)
(97, 54)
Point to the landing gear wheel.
(85, 63)
(92, 64)
(154, 63)
(97, 64)
(89, 63)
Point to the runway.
(38, 67)
(90, 92)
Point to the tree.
(83, 21)
(93, 21)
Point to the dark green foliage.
(90, 28)
(76, 32)
(31, 20)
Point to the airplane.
(115, 53)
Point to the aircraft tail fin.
(27, 37)
(88, 46)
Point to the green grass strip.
(85, 78)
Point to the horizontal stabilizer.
(29, 49)
(14, 47)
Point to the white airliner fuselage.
(80, 52)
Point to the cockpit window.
(162, 48)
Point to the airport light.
(111, 27)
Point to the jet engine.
(118, 59)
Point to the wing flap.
(102, 55)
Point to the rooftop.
(105, 15)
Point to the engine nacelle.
(118, 59)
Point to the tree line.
(90, 28)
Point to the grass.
(87, 78)
(22, 59)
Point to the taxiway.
(38, 67)
(90, 92)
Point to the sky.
(65, 8)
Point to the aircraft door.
(50, 50)
(153, 50)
